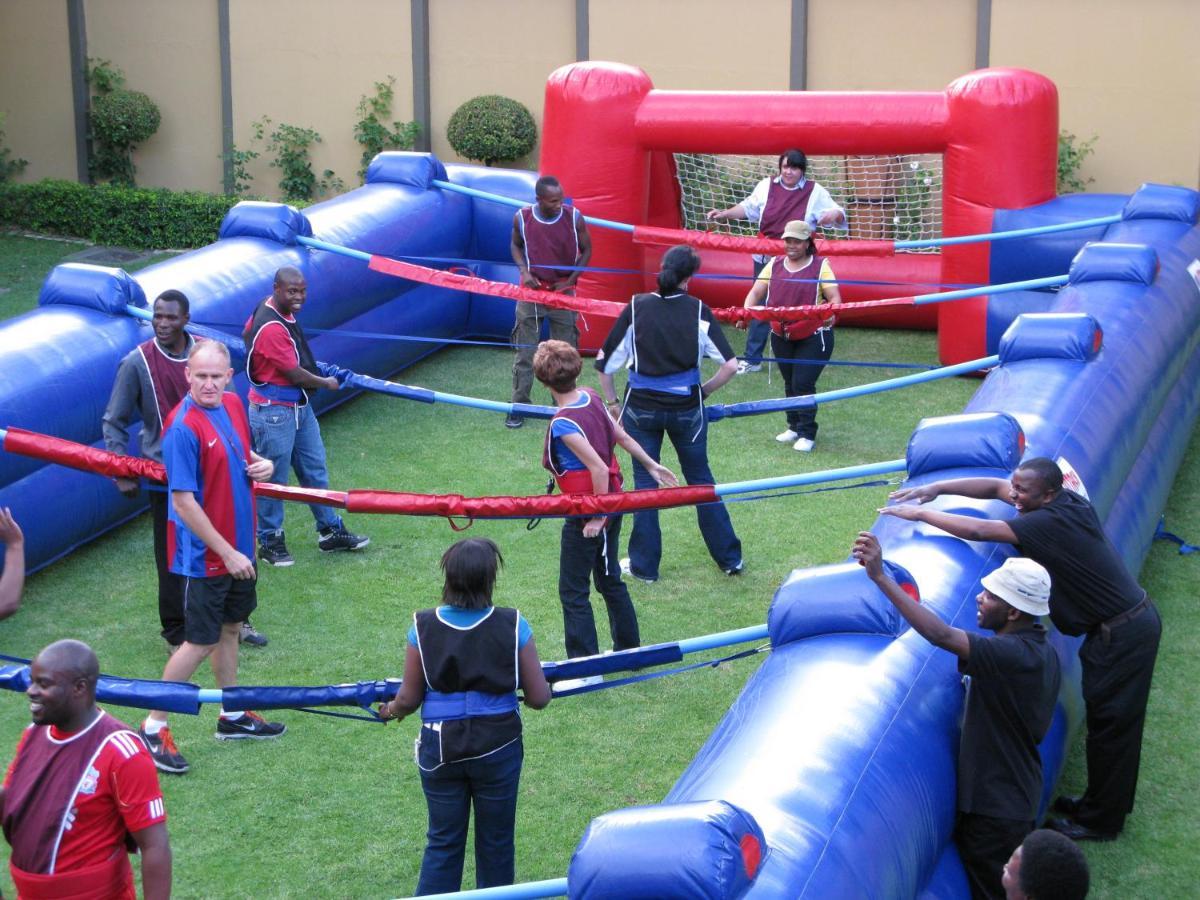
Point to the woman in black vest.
(463, 665)
(798, 278)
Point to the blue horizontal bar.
(973, 365)
(1031, 285)
(333, 248)
(530, 890)
(782, 481)
(1009, 235)
(723, 639)
(510, 201)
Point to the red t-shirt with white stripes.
(119, 792)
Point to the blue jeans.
(758, 332)
(580, 561)
(490, 785)
(688, 431)
(290, 437)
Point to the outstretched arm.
(975, 488)
(12, 582)
(925, 622)
(968, 528)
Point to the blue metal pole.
(509, 201)
(333, 248)
(973, 365)
(767, 484)
(1030, 285)
(530, 890)
(1009, 235)
(723, 639)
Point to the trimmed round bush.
(124, 118)
(492, 129)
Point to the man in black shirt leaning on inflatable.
(1014, 681)
(1092, 594)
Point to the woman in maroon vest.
(774, 203)
(798, 278)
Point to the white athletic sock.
(153, 726)
(231, 716)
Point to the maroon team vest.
(600, 432)
(41, 793)
(547, 243)
(167, 375)
(783, 206)
(795, 289)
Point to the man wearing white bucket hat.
(1012, 681)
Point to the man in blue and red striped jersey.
(81, 791)
(210, 540)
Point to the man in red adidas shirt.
(81, 792)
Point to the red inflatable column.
(1001, 153)
(588, 144)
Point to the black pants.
(1117, 667)
(170, 586)
(985, 843)
(582, 560)
(801, 380)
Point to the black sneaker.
(340, 539)
(275, 553)
(166, 755)
(251, 726)
(514, 421)
(250, 635)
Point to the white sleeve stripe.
(127, 743)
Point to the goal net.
(885, 197)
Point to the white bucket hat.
(1022, 584)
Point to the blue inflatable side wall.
(843, 745)
(57, 362)
(833, 773)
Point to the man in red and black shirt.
(81, 791)
(550, 245)
(283, 375)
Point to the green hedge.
(143, 218)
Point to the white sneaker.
(744, 367)
(787, 437)
(804, 445)
(627, 569)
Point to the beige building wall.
(489, 47)
(1126, 74)
(168, 50)
(702, 45)
(882, 45)
(307, 63)
(35, 87)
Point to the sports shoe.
(736, 570)
(627, 569)
(787, 437)
(275, 553)
(514, 421)
(252, 636)
(744, 367)
(804, 445)
(251, 726)
(340, 539)
(166, 755)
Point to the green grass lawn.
(335, 807)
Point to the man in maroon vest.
(150, 383)
(550, 244)
(81, 792)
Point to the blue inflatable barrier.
(839, 756)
